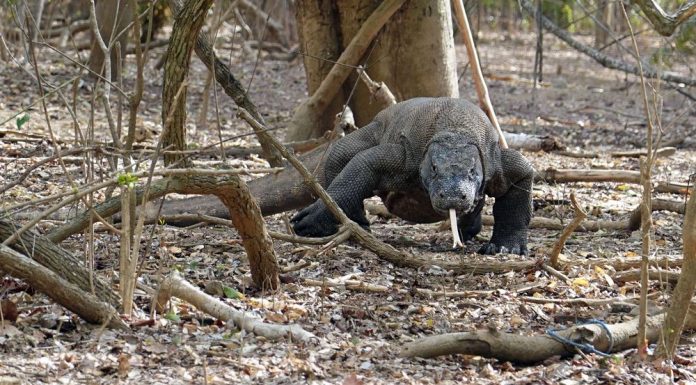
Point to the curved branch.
(663, 23)
(605, 60)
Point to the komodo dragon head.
(452, 174)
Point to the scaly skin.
(425, 156)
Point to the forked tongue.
(456, 241)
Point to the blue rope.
(585, 347)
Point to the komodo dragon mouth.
(453, 176)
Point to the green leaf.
(21, 120)
(127, 179)
(232, 293)
(172, 316)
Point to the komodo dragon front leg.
(376, 168)
(512, 211)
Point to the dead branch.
(599, 57)
(580, 216)
(665, 24)
(84, 304)
(175, 286)
(532, 349)
(551, 175)
(360, 286)
(527, 142)
(60, 261)
(646, 166)
(656, 205)
(380, 92)
(670, 277)
(664, 152)
(554, 224)
(226, 222)
(589, 302)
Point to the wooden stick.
(480, 83)
(580, 216)
(175, 286)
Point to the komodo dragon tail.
(275, 193)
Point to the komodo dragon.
(423, 157)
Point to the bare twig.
(646, 214)
(481, 89)
(580, 216)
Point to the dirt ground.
(360, 333)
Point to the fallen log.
(537, 348)
(81, 302)
(552, 175)
(60, 261)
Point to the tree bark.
(187, 23)
(60, 261)
(233, 192)
(318, 32)
(665, 24)
(413, 54)
(112, 16)
(681, 298)
(86, 305)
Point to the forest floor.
(360, 333)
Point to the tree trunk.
(603, 14)
(681, 298)
(232, 191)
(413, 54)
(317, 23)
(112, 16)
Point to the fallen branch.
(527, 142)
(552, 175)
(590, 302)
(663, 152)
(360, 286)
(81, 302)
(656, 205)
(580, 216)
(660, 275)
(227, 223)
(60, 261)
(175, 286)
(532, 349)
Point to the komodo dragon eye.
(434, 168)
